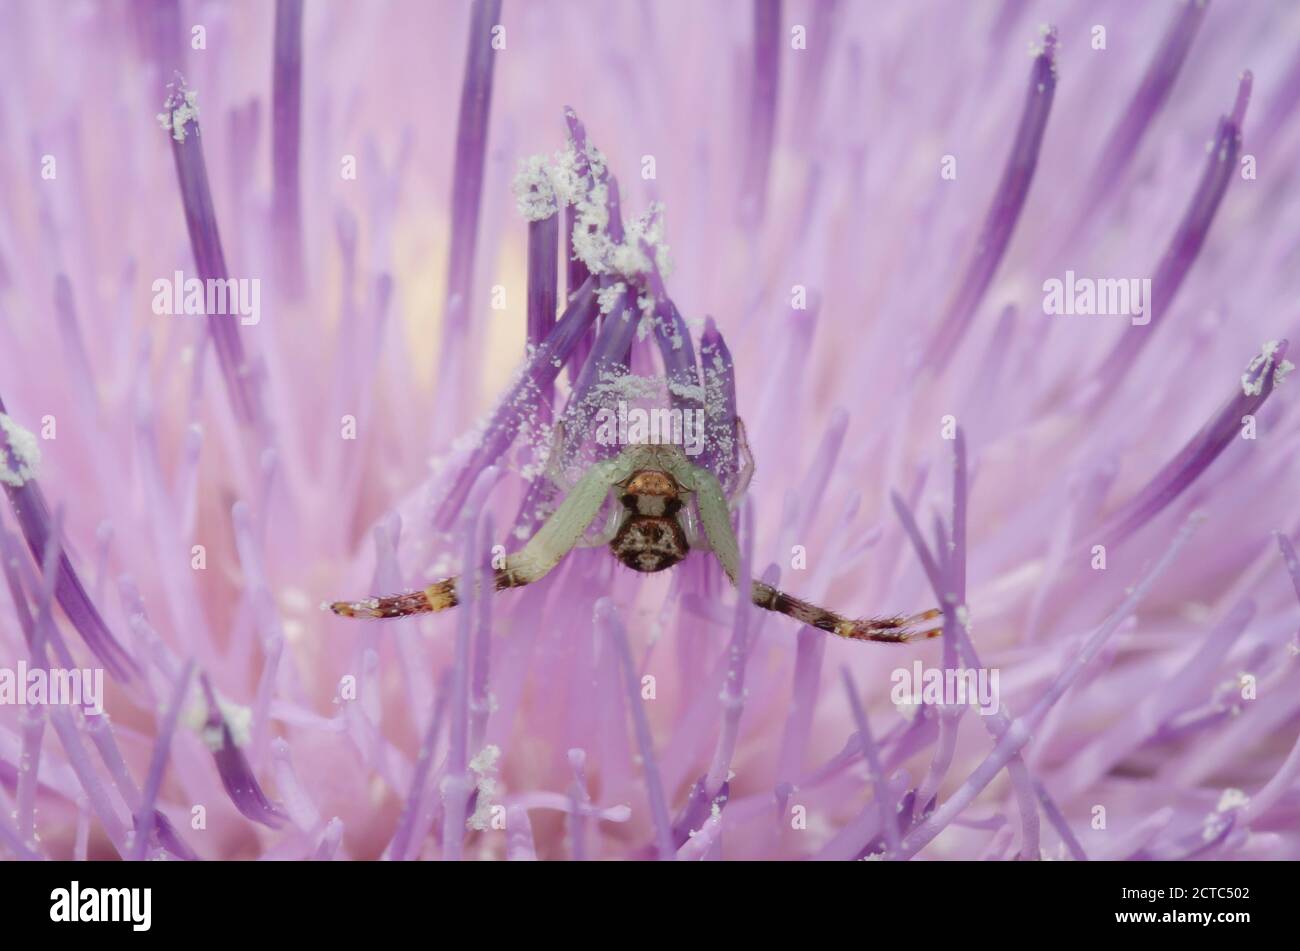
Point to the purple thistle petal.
(159, 22)
(467, 193)
(298, 805)
(1188, 683)
(38, 630)
(399, 849)
(1188, 239)
(608, 355)
(826, 19)
(1292, 562)
(171, 840)
(480, 702)
(610, 627)
(614, 206)
(1190, 845)
(678, 354)
(578, 275)
(1004, 212)
(588, 172)
(145, 816)
(243, 380)
(952, 597)
(519, 832)
(880, 788)
(14, 842)
(765, 82)
(946, 570)
(1059, 823)
(579, 805)
(74, 344)
(1099, 637)
(286, 97)
(1148, 99)
(33, 516)
(29, 767)
(328, 846)
(101, 735)
(697, 810)
(10, 555)
(732, 696)
(96, 794)
(720, 448)
(1285, 97)
(1272, 792)
(878, 846)
(1202, 449)
(575, 269)
(471, 589)
(232, 765)
(539, 371)
(543, 280)
(960, 489)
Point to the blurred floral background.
(849, 213)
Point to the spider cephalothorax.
(653, 528)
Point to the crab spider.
(653, 486)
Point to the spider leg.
(557, 536)
(895, 630)
(439, 596)
(554, 460)
(690, 522)
(746, 471)
(716, 519)
(610, 529)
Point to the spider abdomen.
(649, 543)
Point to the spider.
(651, 528)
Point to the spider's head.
(650, 538)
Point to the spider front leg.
(557, 536)
(438, 596)
(555, 460)
(746, 471)
(716, 520)
(689, 519)
(609, 531)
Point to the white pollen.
(180, 108)
(20, 464)
(1231, 799)
(1256, 387)
(534, 190)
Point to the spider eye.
(629, 501)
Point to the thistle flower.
(477, 226)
